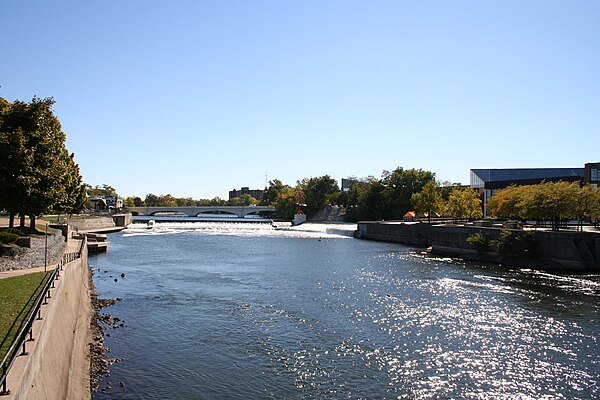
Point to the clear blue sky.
(195, 98)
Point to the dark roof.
(516, 174)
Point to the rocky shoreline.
(99, 360)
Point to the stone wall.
(329, 214)
(30, 257)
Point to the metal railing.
(18, 346)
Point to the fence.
(18, 347)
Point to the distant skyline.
(196, 98)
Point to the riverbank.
(557, 251)
(57, 364)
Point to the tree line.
(370, 198)
(555, 202)
(37, 173)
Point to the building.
(591, 175)
(104, 203)
(488, 181)
(256, 193)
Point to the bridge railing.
(18, 346)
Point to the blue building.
(488, 181)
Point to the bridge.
(240, 211)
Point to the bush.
(14, 231)
(479, 242)
(8, 238)
(521, 245)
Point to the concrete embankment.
(567, 250)
(58, 364)
(101, 224)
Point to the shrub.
(8, 238)
(14, 231)
(479, 242)
(521, 245)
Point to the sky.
(195, 98)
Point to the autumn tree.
(585, 204)
(508, 203)
(464, 203)
(428, 201)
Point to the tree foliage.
(551, 201)
(464, 203)
(104, 190)
(37, 174)
(399, 186)
(429, 200)
(317, 192)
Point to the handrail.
(26, 333)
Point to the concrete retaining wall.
(415, 234)
(93, 223)
(59, 364)
(556, 250)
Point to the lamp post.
(46, 249)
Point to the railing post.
(4, 391)
(24, 353)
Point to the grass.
(17, 297)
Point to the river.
(230, 311)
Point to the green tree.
(428, 201)
(243, 200)
(32, 138)
(287, 202)
(366, 200)
(400, 185)
(129, 202)
(271, 193)
(317, 192)
(104, 190)
(74, 196)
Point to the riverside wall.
(579, 251)
(59, 365)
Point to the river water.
(230, 311)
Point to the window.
(594, 173)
